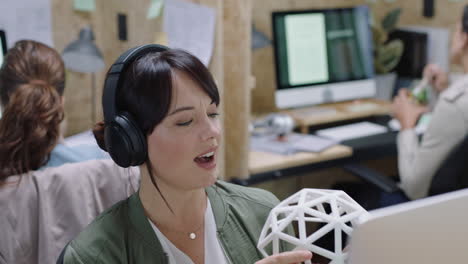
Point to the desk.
(267, 166)
(261, 162)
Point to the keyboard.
(355, 130)
(362, 107)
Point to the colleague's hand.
(405, 110)
(290, 257)
(436, 77)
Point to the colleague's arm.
(436, 77)
(417, 163)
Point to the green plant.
(387, 54)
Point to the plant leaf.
(388, 56)
(391, 19)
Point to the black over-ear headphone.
(125, 141)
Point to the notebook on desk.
(428, 231)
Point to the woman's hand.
(405, 110)
(436, 77)
(290, 257)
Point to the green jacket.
(122, 234)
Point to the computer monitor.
(322, 56)
(415, 53)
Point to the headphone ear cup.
(125, 142)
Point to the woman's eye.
(213, 115)
(185, 123)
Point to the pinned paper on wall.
(155, 9)
(84, 5)
(190, 27)
(26, 19)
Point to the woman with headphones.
(161, 113)
(42, 209)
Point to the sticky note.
(155, 9)
(84, 5)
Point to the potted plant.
(387, 54)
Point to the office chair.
(380, 190)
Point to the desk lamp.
(259, 40)
(82, 55)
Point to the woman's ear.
(464, 40)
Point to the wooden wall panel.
(237, 72)
(447, 13)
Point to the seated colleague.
(418, 162)
(32, 81)
(181, 213)
(41, 211)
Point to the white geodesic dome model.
(338, 212)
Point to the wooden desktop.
(261, 162)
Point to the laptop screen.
(430, 230)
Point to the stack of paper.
(293, 143)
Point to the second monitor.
(322, 56)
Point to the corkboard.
(66, 24)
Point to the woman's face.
(183, 148)
(459, 44)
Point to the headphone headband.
(115, 77)
(125, 141)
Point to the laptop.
(433, 230)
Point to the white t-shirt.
(213, 252)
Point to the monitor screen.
(415, 53)
(3, 47)
(322, 56)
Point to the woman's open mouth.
(206, 161)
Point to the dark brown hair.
(32, 80)
(146, 91)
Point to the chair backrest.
(453, 174)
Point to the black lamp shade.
(83, 55)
